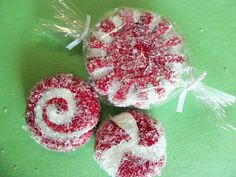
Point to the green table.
(196, 148)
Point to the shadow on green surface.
(108, 111)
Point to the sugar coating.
(131, 144)
(61, 112)
(103, 36)
(135, 49)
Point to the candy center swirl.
(55, 112)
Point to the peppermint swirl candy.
(131, 144)
(62, 112)
(135, 58)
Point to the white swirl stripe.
(119, 38)
(127, 122)
(54, 116)
(111, 159)
(55, 112)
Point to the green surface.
(196, 148)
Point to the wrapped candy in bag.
(136, 58)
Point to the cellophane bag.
(136, 58)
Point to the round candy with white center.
(131, 144)
(61, 112)
(135, 58)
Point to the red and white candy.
(135, 58)
(131, 144)
(61, 112)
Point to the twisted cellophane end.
(218, 106)
(68, 21)
(215, 104)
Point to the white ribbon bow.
(82, 36)
(190, 87)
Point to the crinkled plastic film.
(68, 21)
(136, 58)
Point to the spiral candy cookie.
(135, 58)
(61, 112)
(131, 144)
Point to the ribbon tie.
(82, 36)
(190, 87)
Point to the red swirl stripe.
(138, 52)
(61, 112)
(131, 144)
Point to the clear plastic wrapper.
(136, 58)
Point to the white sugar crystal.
(116, 20)
(110, 159)
(103, 36)
(174, 66)
(57, 118)
(136, 15)
(154, 23)
(164, 83)
(176, 50)
(94, 52)
(101, 72)
(127, 122)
